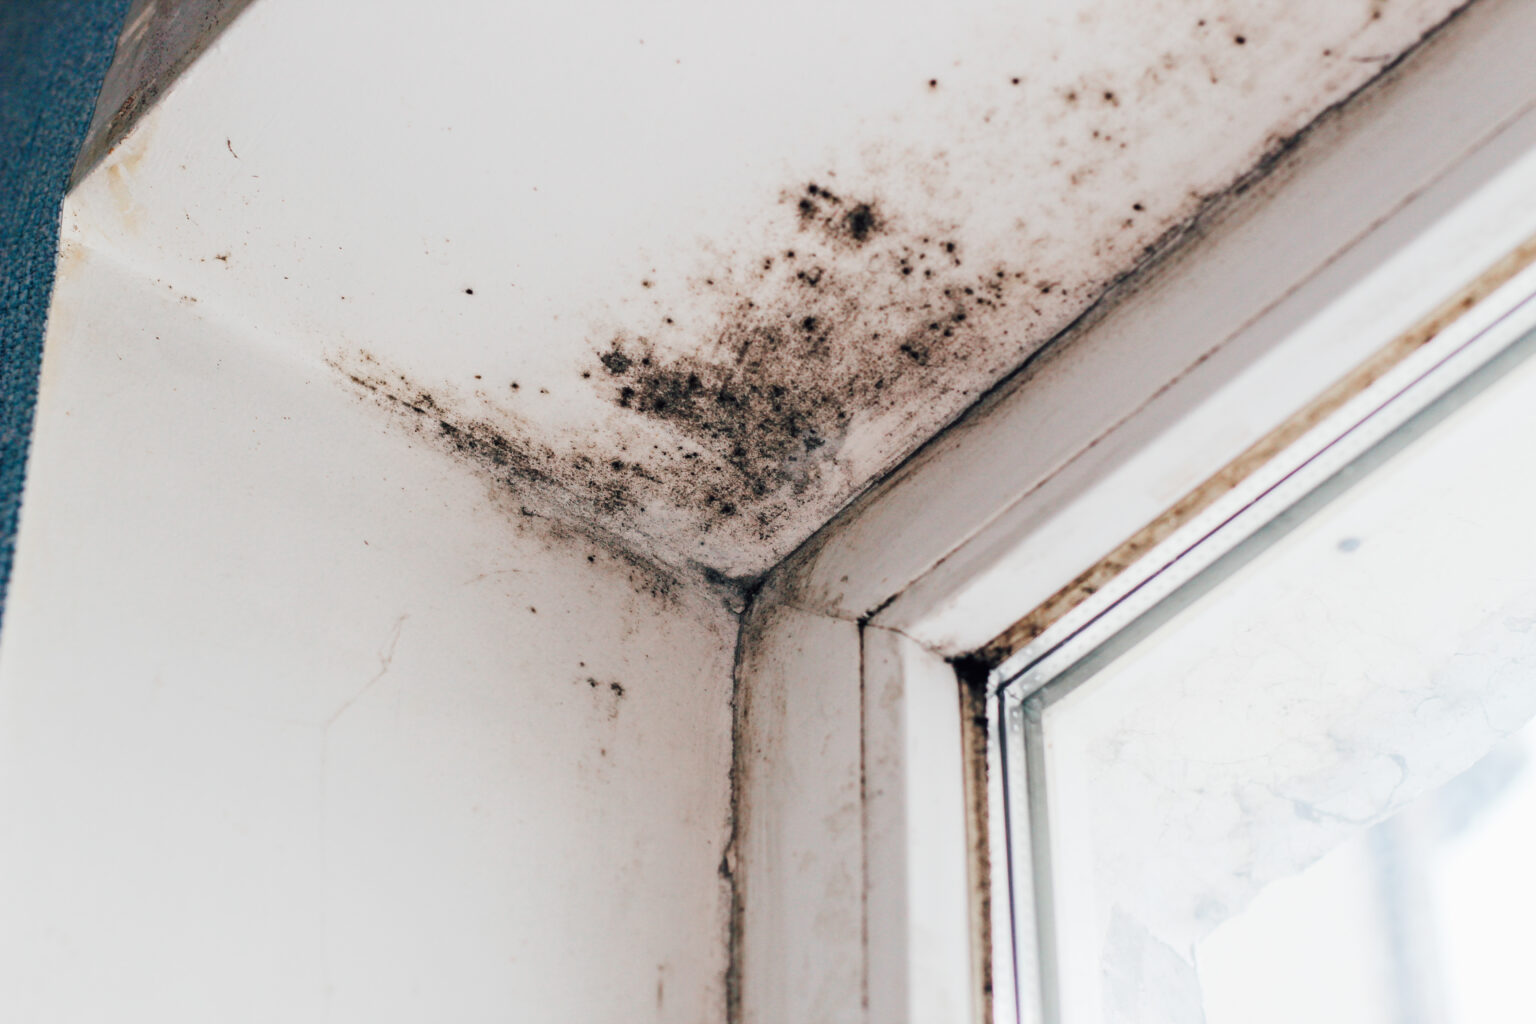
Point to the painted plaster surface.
(695, 274)
(294, 727)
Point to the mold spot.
(574, 493)
(610, 694)
(834, 220)
(615, 360)
(861, 222)
(739, 386)
(790, 350)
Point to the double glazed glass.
(1302, 785)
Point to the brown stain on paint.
(121, 174)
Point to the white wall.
(283, 737)
(342, 172)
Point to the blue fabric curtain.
(53, 55)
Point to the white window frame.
(860, 866)
(1494, 318)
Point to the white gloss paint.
(283, 737)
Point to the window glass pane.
(1426, 917)
(1220, 782)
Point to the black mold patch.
(860, 311)
(852, 223)
(570, 496)
(856, 311)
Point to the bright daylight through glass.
(1306, 790)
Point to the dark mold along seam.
(730, 874)
(528, 480)
(1154, 257)
(863, 822)
(971, 686)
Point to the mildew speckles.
(720, 384)
(610, 693)
(857, 313)
(575, 494)
(861, 311)
(852, 223)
